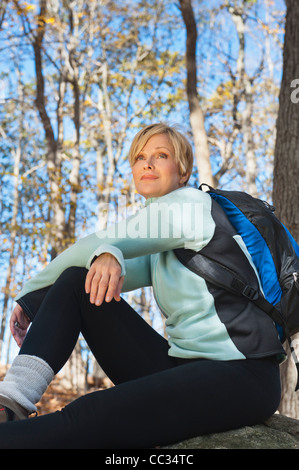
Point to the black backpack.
(275, 255)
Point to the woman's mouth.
(149, 177)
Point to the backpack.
(275, 255)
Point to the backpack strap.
(223, 277)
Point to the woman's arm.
(172, 221)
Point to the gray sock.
(26, 381)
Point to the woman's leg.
(194, 398)
(123, 343)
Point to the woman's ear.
(184, 179)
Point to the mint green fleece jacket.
(143, 244)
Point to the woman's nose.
(148, 163)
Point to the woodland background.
(79, 78)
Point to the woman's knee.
(73, 276)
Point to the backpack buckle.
(250, 293)
(296, 280)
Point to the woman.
(217, 371)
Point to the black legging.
(157, 399)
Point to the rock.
(279, 432)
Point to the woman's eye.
(162, 155)
(139, 157)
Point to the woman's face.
(155, 171)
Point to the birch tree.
(197, 120)
(239, 15)
(17, 154)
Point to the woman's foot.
(10, 410)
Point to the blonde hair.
(183, 153)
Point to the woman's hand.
(104, 280)
(19, 323)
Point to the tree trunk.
(53, 160)
(202, 152)
(246, 84)
(286, 162)
(286, 169)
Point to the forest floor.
(57, 396)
